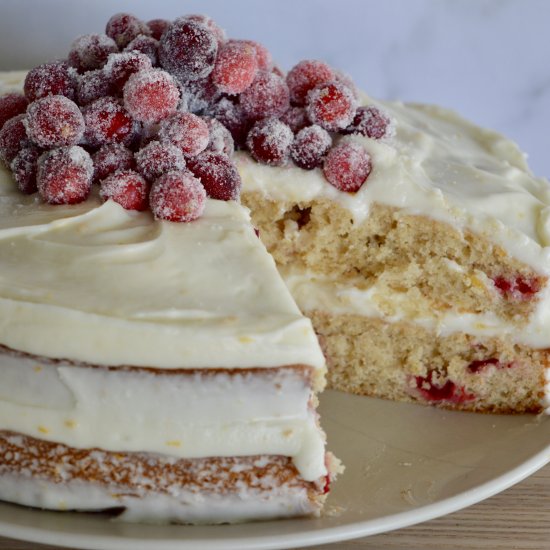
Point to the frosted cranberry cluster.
(152, 112)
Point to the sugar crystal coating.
(269, 141)
(54, 121)
(347, 166)
(220, 139)
(231, 115)
(127, 188)
(65, 175)
(90, 51)
(110, 158)
(24, 167)
(371, 122)
(218, 175)
(235, 67)
(305, 76)
(12, 105)
(177, 197)
(296, 118)
(310, 146)
(146, 45)
(91, 86)
(53, 78)
(13, 137)
(199, 95)
(267, 96)
(124, 27)
(332, 106)
(107, 121)
(151, 95)
(186, 131)
(156, 158)
(208, 22)
(120, 66)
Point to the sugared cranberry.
(198, 95)
(235, 67)
(310, 146)
(12, 105)
(110, 158)
(158, 27)
(208, 22)
(90, 51)
(13, 137)
(65, 175)
(517, 288)
(150, 96)
(54, 78)
(269, 141)
(127, 188)
(177, 197)
(120, 66)
(347, 166)
(305, 76)
(91, 86)
(186, 131)
(188, 50)
(371, 122)
(24, 167)
(107, 121)
(263, 56)
(54, 121)
(296, 118)
(267, 96)
(220, 139)
(156, 158)
(347, 81)
(146, 45)
(124, 27)
(232, 117)
(217, 174)
(435, 392)
(331, 106)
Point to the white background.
(488, 59)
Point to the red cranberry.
(110, 158)
(232, 117)
(331, 106)
(263, 56)
(208, 22)
(347, 166)
(10, 106)
(217, 174)
(127, 188)
(146, 45)
(177, 197)
(151, 96)
(107, 122)
(54, 78)
(24, 167)
(220, 139)
(158, 27)
(54, 121)
(267, 96)
(371, 122)
(310, 147)
(305, 76)
(90, 51)
(155, 159)
(120, 66)
(296, 118)
(269, 141)
(434, 392)
(91, 86)
(13, 137)
(188, 50)
(65, 175)
(517, 288)
(186, 131)
(235, 67)
(124, 27)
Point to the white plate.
(405, 464)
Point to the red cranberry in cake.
(331, 106)
(126, 187)
(217, 174)
(188, 50)
(158, 158)
(220, 139)
(54, 78)
(310, 146)
(267, 96)
(371, 122)
(120, 66)
(146, 45)
(124, 27)
(158, 27)
(347, 166)
(107, 121)
(13, 137)
(177, 197)
(90, 51)
(54, 121)
(150, 96)
(208, 22)
(269, 141)
(231, 115)
(24, 167)
(477, 366)
(91, 86)
(65, 175)
(235, 67)
(110, 158)
(12, 105)
(519, 288)
(186, 131)
(305, 76)
(435, 391)
(296, 118)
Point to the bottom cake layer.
(148, 487)
(406, 362)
